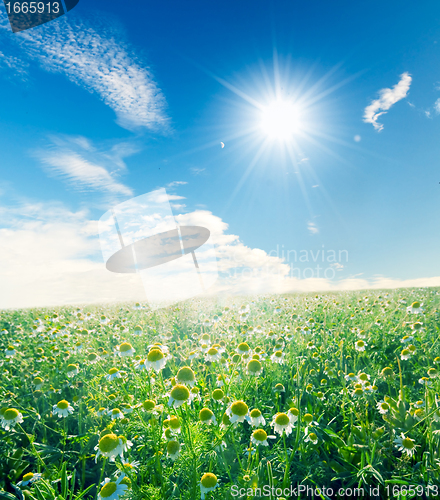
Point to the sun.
(280, 120)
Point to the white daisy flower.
(406, 339)
(62, 408)
(256, 419)
(10, 351)
(425, 381)
(110, 446)
(278, 357)
(173, 449)
(115, 413)
(10, 417)
(293, 414)
(208, 482)
(351, 377)
(310, 436)
(405, 354)
(156, 360)
(415, 308)
(113, 373)
(179, 394)
(125, 349)
(212, 354)
(206, 416)
(254, 368)
(238, 411)
(383, 407)
(72, 370)
(281, 423)
(185, 376)
(360, 345)
(259, 437)
(140, 364)
(405, 444)
(112, 490)
(29, 478)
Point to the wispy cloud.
(176, 183)
(13, 67)
(387, 98)
(197, 171)
(96, 57)
(77, 161)
(437, 106)
(311, 226)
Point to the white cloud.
(51, 257)
(176, 183)
(97, 58)
(311, 226)
(437, 106)
(79, 162)
(387, 98)
(13, 67)
(197, 171)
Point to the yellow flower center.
(28, 476)
(385, 406)
(313, 436)
(260, 435)
(254, 366)
(209, 480)
(108, 489)
(173, 447)
(63, 404)
(180, 393)
(205, 414)
(294, 411)
(218, 394)
(308, 418)
(278, 354)
(38, 380)
(407, 443)
(71, 368)
(155, 355)
(363, 376)
(125, 347)
(112, 371)
(387, 371)
(174, 423)
(415, 305)
(282, 419)
(239, 408)
(255, 413)
(149, 404)
(92, 356)
(108, 443)
(243, 347)
(185, 374)
(213, 351)
(358, 392)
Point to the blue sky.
(107, 103)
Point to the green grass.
(353, 446)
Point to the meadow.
(296, 396)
